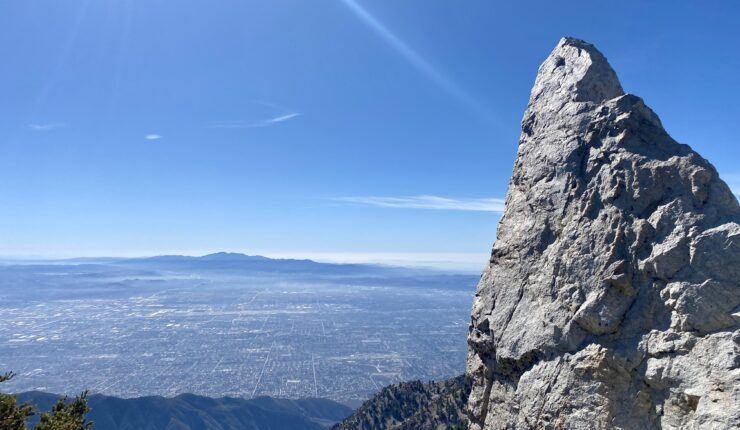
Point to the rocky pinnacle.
(612, 296)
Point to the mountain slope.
(191, 412)
(413, 406)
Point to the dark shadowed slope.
(413, 406)
(191, 412)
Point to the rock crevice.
(611, 297)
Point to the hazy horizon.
(462, 263)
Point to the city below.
(229, 325)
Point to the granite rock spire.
(612, 296)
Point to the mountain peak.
(228, 256)
(575, 71)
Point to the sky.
(340, 130)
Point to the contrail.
(415, 59)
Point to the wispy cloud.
(282, 118)
(428, 202)
(152, 137)
(236, 124)
(45, 126)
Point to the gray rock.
(612, 297)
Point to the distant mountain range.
(231, 261)
(234, 263)
(228, 264)
(191, 412)
(241, 262)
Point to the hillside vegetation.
(413, 406)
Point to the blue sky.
(332, 129)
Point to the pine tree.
(66, 416)
(12, 415)
(63, 415)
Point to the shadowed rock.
(611, 298)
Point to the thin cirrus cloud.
(153, 137)
(236, 124)
(45, 126)
(428, 202)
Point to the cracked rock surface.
(612, 297)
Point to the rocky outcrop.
(612, 295)
(413, 405)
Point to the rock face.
(612, 296)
